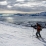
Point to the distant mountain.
(37, 14)
(42, 14)
(19, 14)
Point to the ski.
(41, 39)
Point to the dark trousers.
(38, 34)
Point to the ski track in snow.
(20, 36)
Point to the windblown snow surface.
(15, 35)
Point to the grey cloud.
(29, 9)
(39, 0)
(12, 2)
(23, 8)
(39, 8)
(34, 0)
(2, 0)
(3, 7)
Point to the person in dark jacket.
(38, 30)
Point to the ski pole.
(32, 33)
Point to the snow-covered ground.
(14, 35)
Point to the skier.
(39, 28)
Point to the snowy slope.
(19, 36)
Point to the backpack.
(39, 27)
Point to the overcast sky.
(22, 6)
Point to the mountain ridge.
(19, 14)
